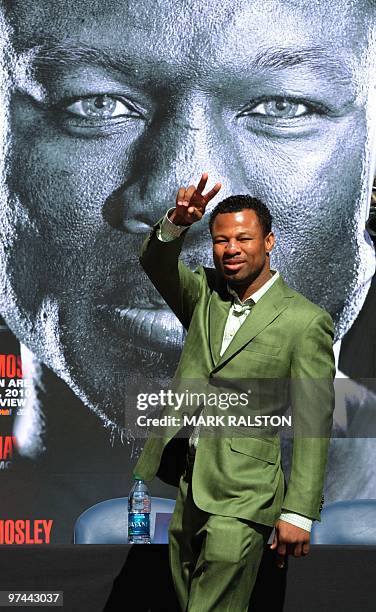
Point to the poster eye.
(279, 109)
(100, 107)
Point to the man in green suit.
(245, 325)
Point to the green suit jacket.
(285, 341)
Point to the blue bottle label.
(138, 524)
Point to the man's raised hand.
(191, 202)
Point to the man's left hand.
(289, 540)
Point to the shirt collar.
(252, 299)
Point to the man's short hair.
(236, 203)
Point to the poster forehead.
(203, 37)
(212, 20)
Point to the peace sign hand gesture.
(191, 203)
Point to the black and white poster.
(106, 109)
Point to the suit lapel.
(263, 313)
(219, 307)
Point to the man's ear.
(269, 242)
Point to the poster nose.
(177, 148)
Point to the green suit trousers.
(214, 559)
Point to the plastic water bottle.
(139, 506)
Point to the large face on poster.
(110, 106)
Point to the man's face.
(240, 247)
(115, 105)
